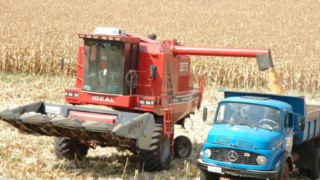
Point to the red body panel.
(93, 116)
(79, 67)
(173, 79)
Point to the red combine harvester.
(148, 84)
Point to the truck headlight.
(261, 160)
(207, 153)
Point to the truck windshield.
(257, 116)
(103, 66)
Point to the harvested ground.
(31, 157)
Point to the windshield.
(103, 67)
(249, 115)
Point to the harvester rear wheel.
(159, 155)
(65, 148)
(182, 147)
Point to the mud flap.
(140, 128)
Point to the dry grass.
(35, 35)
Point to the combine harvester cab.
(148, 84)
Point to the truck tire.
(182, 147)
(304, 172)
(205, 175)
(284, 171)
(315, 172)
(159, 155)
(65, 148)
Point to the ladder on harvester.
(168, 126)
(167, 121)
(167, 73)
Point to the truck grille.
(234, 156)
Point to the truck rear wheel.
(182, 147)
(159, 155)
(65, 148)
(205, 175)
(315, 172)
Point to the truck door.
(288, 132)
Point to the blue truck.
(265, 136)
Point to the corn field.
(34, 35)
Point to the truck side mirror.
(205, 112)
(302, 123)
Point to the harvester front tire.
(159, 156)
(65, 148)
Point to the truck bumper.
(237, 172)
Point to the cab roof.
(258, 101)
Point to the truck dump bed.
(312, 128)
(313, 111)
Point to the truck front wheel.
(205, 175)
(284, 171)
(65, 148)
(159, 155)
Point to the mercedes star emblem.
(232, 156)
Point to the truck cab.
(251, 136)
